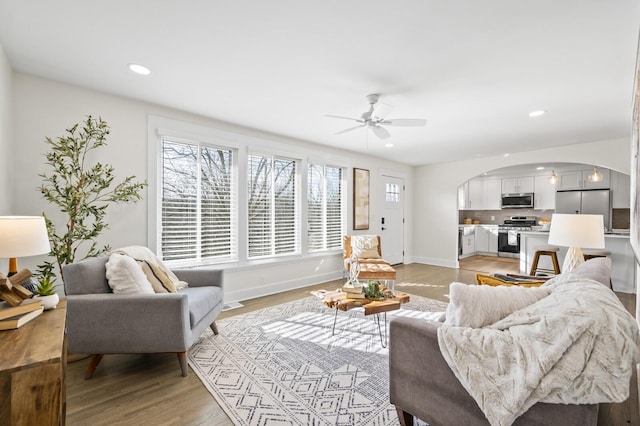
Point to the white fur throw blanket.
(576, 346)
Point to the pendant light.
(553, 179)
(595, 175)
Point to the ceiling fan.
(375, 119)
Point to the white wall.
(6, 126)
(435, 191)
(46, 108)
(5, 133)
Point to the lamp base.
(573, 259)
(13, 266)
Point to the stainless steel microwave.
(517, 201)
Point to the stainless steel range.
(509, 234)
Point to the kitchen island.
(622, 258)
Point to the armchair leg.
(182, 359)
(405, 418)
(214, 328)
(93, 364)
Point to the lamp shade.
(22, 236)
(577, 230)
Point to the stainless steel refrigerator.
(596, 201)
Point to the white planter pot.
(49, 302)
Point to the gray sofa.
(100, 322)
(423, 385)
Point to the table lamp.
(576, 231)
(22, 236)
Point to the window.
(392, 193)
(198, 202)
(273, 218)
(324, 207)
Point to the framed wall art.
(360, 199)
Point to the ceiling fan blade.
(380, 132)
(407, 122)
(380, 111)
(349, 129)
(344, 118)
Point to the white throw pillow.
(365, 246)
(126, 276)
(145, 254)
(477, 306)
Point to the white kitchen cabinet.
(579, 179)
(463, 196)
(544, 194)
(468, 244)
(517, 185)
(476, 199)
(620, 191)
(486, 240)
(492, 194)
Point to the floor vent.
(232, 305)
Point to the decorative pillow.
(125, 276)
(156, 276)
(365, 246)
(477, 306)
(598, 269)
(143, 253)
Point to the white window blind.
(198, 202)
(273, 218)
(325, 207)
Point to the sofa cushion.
(598, 269)
(125, 276)
(159, 280)
(365, 246)
(477, 306)
(201, 301)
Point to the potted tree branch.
(82, 192)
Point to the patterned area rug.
(282, 366)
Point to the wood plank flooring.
(148, 389)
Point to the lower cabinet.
(486, 239)
(468, 244)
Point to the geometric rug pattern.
(282, 366)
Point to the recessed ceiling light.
(507, 154)
(139, 69)
(537, 113)
(540, 168)
(388, 145)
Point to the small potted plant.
(46, 287)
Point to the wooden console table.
(33, 370)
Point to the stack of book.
(353, 292)
(16, 316)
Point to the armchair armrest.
(201, 277)
(111, 323)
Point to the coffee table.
(371, 307)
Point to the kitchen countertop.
(477, 224)
(606, 235)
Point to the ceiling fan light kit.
(375, 119)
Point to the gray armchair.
(100, 322)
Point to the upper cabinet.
(516, 185)
(544, 194)
(579, 179)
(479, 194)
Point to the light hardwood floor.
(148, 389)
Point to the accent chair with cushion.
(168, 318)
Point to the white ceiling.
(473, 68)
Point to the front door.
(392, 219)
